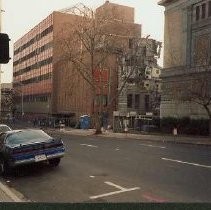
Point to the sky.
(20, 16)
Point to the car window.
(22, 137)
(4, 129)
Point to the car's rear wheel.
(54, 162)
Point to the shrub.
(185, 126)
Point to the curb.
(9, 193)
(136, 138)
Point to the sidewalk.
(7, 195)
(149, 137)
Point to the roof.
(165, 2)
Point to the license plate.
(40, 158)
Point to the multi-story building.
(187, 58)
(143, 85)
(48, 85)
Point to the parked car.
(4, 128)
(27, 146)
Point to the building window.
(210, 53)
(201, 50)
(101, 100)
(197, 13)
(147, 107)
(137, 101)
(130, 43)
(209, 9)
(129, 100)
(203, 14)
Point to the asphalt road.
(97, 169)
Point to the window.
(157, 71)
(147, 107)
(203, 14)
(197, 13)
(137, 101)
(129, 100)
(209, 9)
(101, 100)
(210, 53)
(130, 43)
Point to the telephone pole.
(0, 64)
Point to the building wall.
(63, 90)
(174, 46)
(116, 12)
(32, 68)
(192, 41)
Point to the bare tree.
(88, 48)
(198, 90)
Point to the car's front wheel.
(54, 162)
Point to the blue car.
(20, 147)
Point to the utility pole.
(0, 64)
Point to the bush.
(185, 126)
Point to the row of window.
(201, 10)
(32, 54)
(101, 100)
(136, 102)
(35, 79)
(34, 39)
(130, 101)
(35, 98)
(34, 66)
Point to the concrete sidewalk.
(158, 138)
(8, 195)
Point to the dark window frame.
(137, 101)
(129, 100)
(203, 11)
(209, 9)
(197, 13)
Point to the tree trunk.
(97, 122)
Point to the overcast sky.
(22, 15)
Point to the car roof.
(3, 125)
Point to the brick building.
(51, 87)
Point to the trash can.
(85, 122)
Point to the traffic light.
(4, 48)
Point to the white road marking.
(122, 190)
(115, 185)
(89, 145)
(149, 145)
(92, 176)
(183, 162)
(117, 149)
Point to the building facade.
(187, 58)
(142, 89)
(48, 85)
